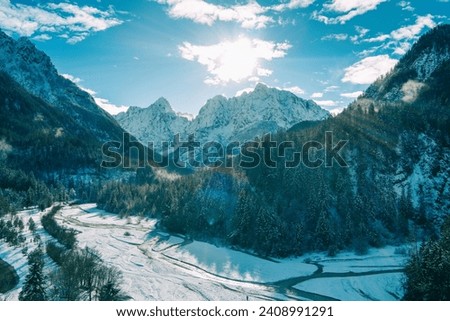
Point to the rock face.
(264, 110)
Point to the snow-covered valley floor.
(160, 266)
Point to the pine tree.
(110, 290)
(427, 276)
(34, 288)
(31, 225)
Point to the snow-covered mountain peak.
(213, 104)
(216, 101)
(222, 119)
(162, 105)
(260, 87)
(276, 95)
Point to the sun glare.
(235, 60)
(238, 60)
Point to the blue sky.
(133, 52)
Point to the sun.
(238, 60)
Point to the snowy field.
(380, 287)
(160, 266)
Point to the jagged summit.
(163, 105)
(260, 87)
(156, 123)
(224, 119)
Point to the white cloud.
(294, 89)
(379, 38)
(367, 70)
(361, 34)
(188, 116)
(355, 94)
(236, 60)
(412, 31)
(73, 21)
(345, 6)
(346, 10)
(42, 37)
(245, 90)
(368, 52)
(250, 15)
(331, 88)
(336, 36)
(325, 103)
(336, 111)
(406, 5)
(105, 104)
(400, 40)
(263, 72)
(317, 95)
(402, 48)
(72, 78)
(292, 4)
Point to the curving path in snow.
(161, 266)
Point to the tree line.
(81, 276)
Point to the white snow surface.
(383, 287)
(157, 265)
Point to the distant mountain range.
(264, 110)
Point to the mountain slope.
(34, 71)
(39, 137)
(414, 69)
